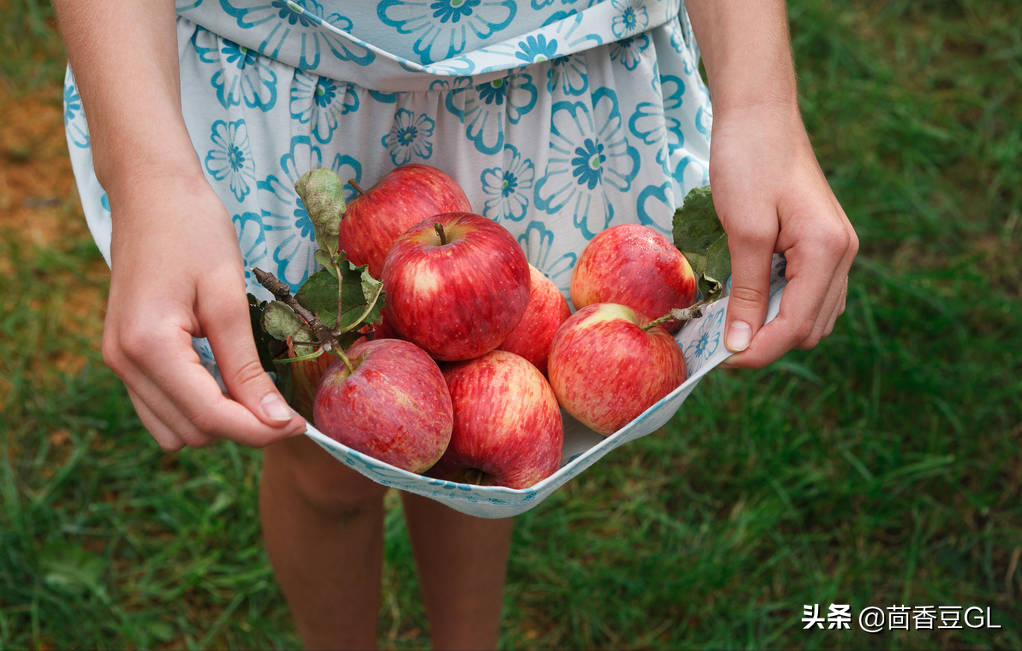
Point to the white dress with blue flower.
(559, 118)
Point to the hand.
(771, 196)
(176, 274)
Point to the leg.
(462, 562)
(323, 527)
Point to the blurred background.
(881, 468)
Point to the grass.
(881, 468)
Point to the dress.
(558, 118)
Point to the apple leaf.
(268, 346)
(325, 260)
(281, 322)
(700, 237)
(717, 268)
(360, 300)
(322, 193)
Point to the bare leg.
(323, 527)
(462, 562)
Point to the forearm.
(746, 49)
(124, 57)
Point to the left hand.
(772, 196)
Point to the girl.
(558, 118)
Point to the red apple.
(507, 425)
(456, 284)
(305, 378)
(394, 406)
(402, 198)
(635, 266)
(545, 312)
(607, 365)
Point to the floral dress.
(559, 118)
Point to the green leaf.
(700, 237)
(322, 193)
(325, 260)
(372, 290)
(319, 295)
(267, 346)
(696, 225)
(281, 322)
(717, 269)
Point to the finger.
(166, 359)
(752, 250)
(152, 406)
(839, 309)
(823, 318)
(227, 325)
(809, 277)
(162, 434)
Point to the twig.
(282, 293)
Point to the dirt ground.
(40, 210)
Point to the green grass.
(880, 468)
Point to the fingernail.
(738, 336)
(275, 408)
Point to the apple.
(402, 198)
(305, 378)
(544, 313)
(394, 405)
(633, 265)
(456, 284)
(608, 365)
(507, 424)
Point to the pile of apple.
(477, 351)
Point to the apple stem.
(302, 358)
(439, 228)
(358, 188)
(693, 311)
(282, 293)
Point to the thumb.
(227, 326)
(751, 257)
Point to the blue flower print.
(321, 101)
(486, 108)
(655, 206)
(589, 157)
(231, 157)
(243, 76)
(252, 240)
(443, 28)
(630, 20)
(567, 75)
(289, 231)
(74, 122)
(538, 243)
(300, 25)
(563, 34)
(705, 341)
(628, 51)
(655, 123)
(704, 120)
(509, 187)
(587, 163)
(452, 11)
(409, 136)
(536, 48)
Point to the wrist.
(126, 176)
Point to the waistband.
(304, 37)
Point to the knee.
(298, 470)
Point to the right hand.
(177, 273)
